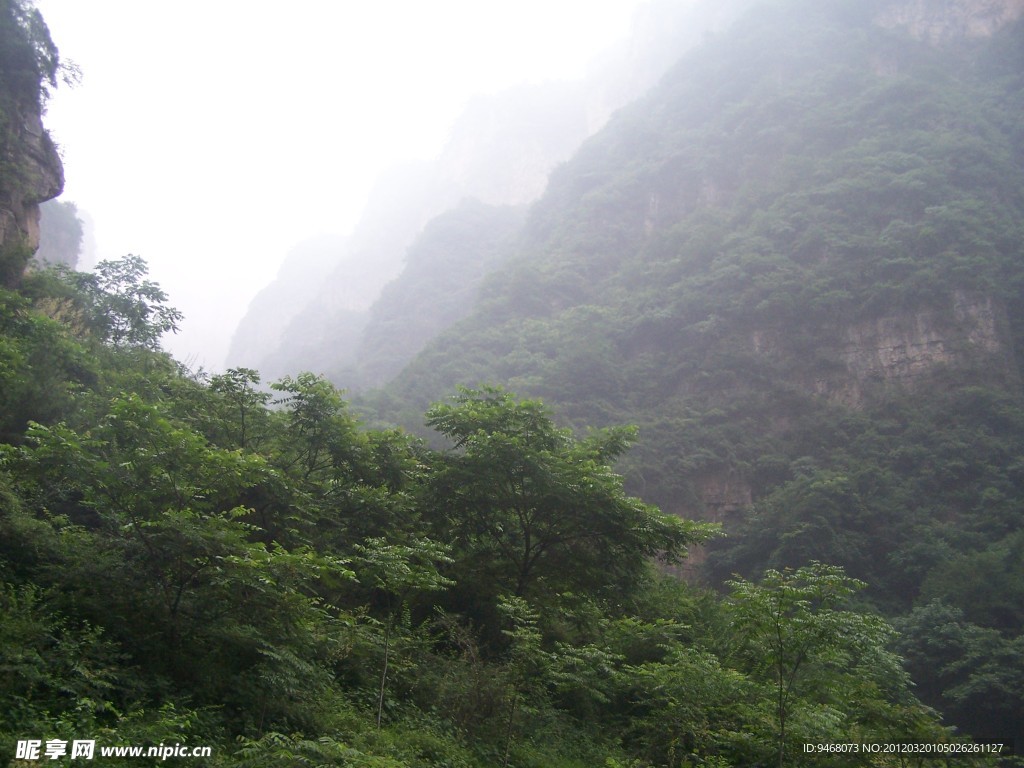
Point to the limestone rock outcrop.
(30, 173)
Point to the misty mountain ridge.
(500, 152)
(704, 177)
(62, 234)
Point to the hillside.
(796, 265)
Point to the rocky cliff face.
(30, 168)
(901, 350)
(969, 334)
(966, 342)
(30, 173)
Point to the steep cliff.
(30, 168)
(900, 350)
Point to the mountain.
(796, 264)
(306, 265)
(862, 189)
(500, 151)
(444, 268)
(61, 234)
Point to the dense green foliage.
(29, 60)
(196, 560)
(797, 266)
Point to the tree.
(320, 435)
(40, 367)
(245, 406)
(689, 704)
(397, 571)
(828, 669)
(158, 549)
(126, 309)
(531, 507)
(525, 663)
(29, 61)
(974, 675)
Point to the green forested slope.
(181, 564)
(797, 266)
(796, 176)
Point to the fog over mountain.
(499, 151)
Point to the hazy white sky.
(210, 136)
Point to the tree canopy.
(195, 559)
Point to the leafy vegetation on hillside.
(192, 559)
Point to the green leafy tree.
(828, 670)
(533, 509)
(974, 675)
(526, 663)
(689, 707)
(244, 405)
(47, 666)
(397, 572)
(126, 309)
(29, 60)
(320, 436)
(41, 366)
(160, 552)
